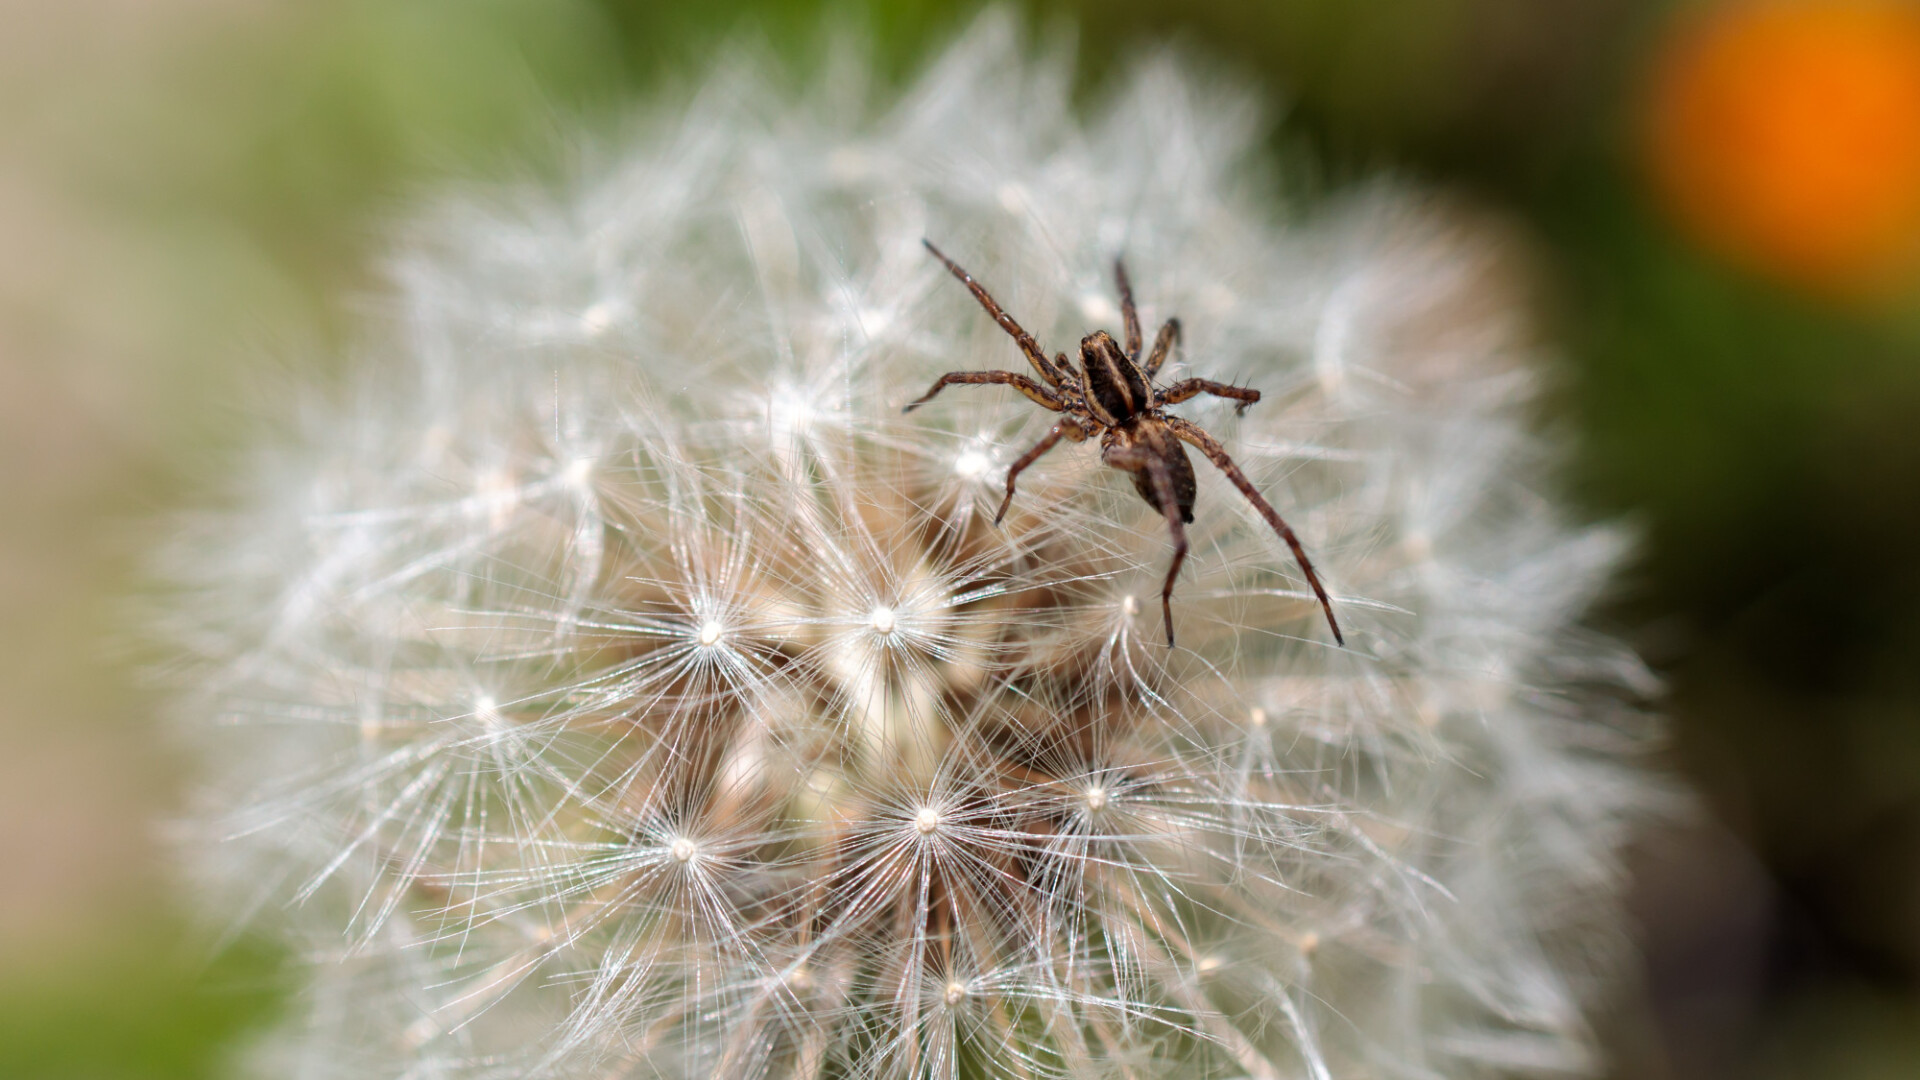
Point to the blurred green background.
(189, 187)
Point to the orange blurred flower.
(1786, 134)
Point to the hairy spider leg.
(1068, 428)
(1135, 459)
(1163, 343)
(1034, 390)
(1028, 346)
(1128, 313)
(1071, 388)
(1190, 388)
(1197, 438)
(1068, 381)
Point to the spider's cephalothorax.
(1114, 396)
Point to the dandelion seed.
(487, 711)
(579, 475)
(599, 317)
(1097, 310)
(926, 821)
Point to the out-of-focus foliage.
(300, 130)
(147, 1009)
(230, 185)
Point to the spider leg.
(1069, 428)
(1028, 346)
(1128, 313)
(1163, 343)
(1134, 459)
(1193, 435)
(1189, 388)
(1040, 394)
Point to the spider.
(1115, 398)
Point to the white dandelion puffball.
(614, 683)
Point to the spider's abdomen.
(1113, 379)
(1184, 487)
(1154, 438)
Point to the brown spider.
(1116, 399)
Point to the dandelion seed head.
(680, 710)
(487, 711)
(971, 463)
(792, 415)
(579, 474)
(599, 316)
(874, 322)
(1098, 310)
(926, 820)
